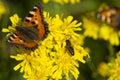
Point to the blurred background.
(100, 50)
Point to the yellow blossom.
(108, 33)
(91, 28)
(100, 30)
(62, 1)
(103, 6)
(114, 68)
(52, 60)
(103, 31)
(111, 69)
(16, 21)
(103, 69)
(2, 8)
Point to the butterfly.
(33, 29)
(111, 16)
(69, 47)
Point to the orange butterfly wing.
(35, 17)
(36, 20)
(16, 39)
(111, 16)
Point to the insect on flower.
(111, 16)
(32, 30)
(69, 47)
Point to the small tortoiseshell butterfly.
(33, 29)
(69, 47)
(111, 16)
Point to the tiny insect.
(69, 47)
(33, 29)
(111, 16)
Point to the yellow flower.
(45, 1)
(108, 33)
(62, 1)
(111, 69)
(103, 31)
(16, 21)
(103, 6)
(100, 30)
(52, 59)
(2, 9)
(103, 69)
(114, 68)
(34, 66)
(91, 28)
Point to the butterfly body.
(32, 30)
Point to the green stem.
(92, 68)
(111, 51)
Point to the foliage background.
(99, 49)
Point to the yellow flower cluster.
(111, 69)
(2, 9)
(103, 31)
(62, 1)
(91, 28)
(52, 59)
(15, 20)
